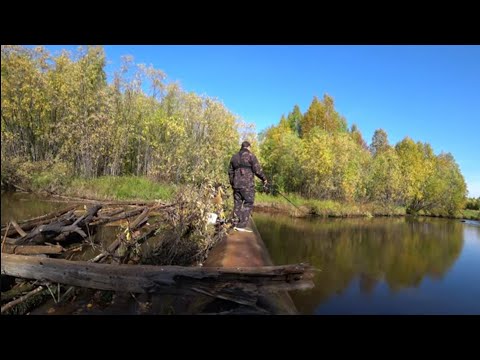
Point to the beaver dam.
(158, 258)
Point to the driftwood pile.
(35, 249)
(60, 226)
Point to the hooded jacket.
(243, 166)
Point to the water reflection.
(399, 252)
(380, 265)
(22, 206)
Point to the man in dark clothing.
(243, 166)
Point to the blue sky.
(430, 93)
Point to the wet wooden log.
(241, 249)
(126, 215)
(72, 198)
(46, 232)
(32, 249)
(109, 203)
(81, 224)
(5, 236)
(17, 291)
(21, 299)
(51, 215)
(139, 221)
(29, 224)
(104, 219)
(18, 228)
(8, 240)
(147, 278)
(63, 226)
(18, 187)
(108, 213)
(135, 203)
(29, 227)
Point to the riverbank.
(301, 207)
(327, 208)
(133, 188)
(104, 188)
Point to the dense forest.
(61, 109)
(317, 155)
(62, 113)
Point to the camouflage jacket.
(243, 166)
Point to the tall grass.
(120, 188)
(325, 208)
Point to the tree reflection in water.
(399, 251)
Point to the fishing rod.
(266, 187)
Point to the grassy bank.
(324, 208)
(55, 178)
(328, 208)
(119, 188)
(471, 214)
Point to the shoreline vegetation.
(133, 188)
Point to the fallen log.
(32, 249)
(20, 188)
(104, 219)
(17, 291)
(42, 233)
(147, 278)
(116, 202)
(29, 224)
(21, 299)
(49, 215)
(8, 240)
(18, 228)
(91, 212)
(29, 227)
(72, 198)
(60, 229)
(126, 215)
(109, 214)
(81, 223)
(134, 203)
(140, 220)
(5, 236)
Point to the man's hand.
(265, 186)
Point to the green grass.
(471, 214)
(330, 208)
(120, 188)
(325, 208)
(57, 178)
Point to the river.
(399, 265)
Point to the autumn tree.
(294, 119)
(62, 109)
(322, 115)
(357, 136)
(379, 142)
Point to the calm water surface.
(368, 266)
(380, 265)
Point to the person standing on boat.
(242, 170)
